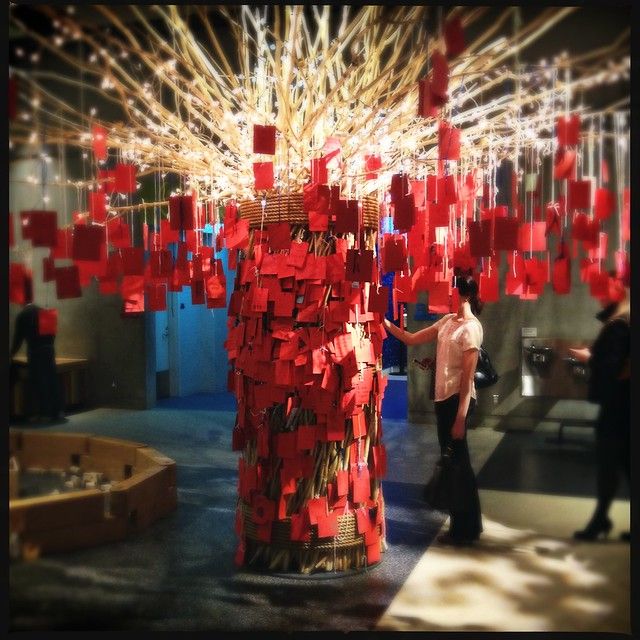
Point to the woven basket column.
(306, 370)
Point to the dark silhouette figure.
(43, 390)
(610, 387)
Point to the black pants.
(465, 522)
(612, 454)
(42, 380)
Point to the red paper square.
(561, 275)
(43, 227)
(438, 215)
(132, 293)
(439, 74)
(264, 139)
(448, 142)
(347, 217)
(125, 175)
(197, 292)
(297, 254)
(480, 238)
(568, 130)
(489, 286)
(47, 322)
(88, 241)
(156, 296)
(279, 236)
(319, 173)
(99, 142)
(428, 101)
(532, 237)
(318, 221)
(506, 231)
(579, 194)
(107, 180)
(604, 204)
(68, 282)
(564, 164)
(98, 205)
(118, 233)
(132, 261)
(454, 37)
(263, 175)
(404, 214)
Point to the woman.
(459, 337)
(609, 386)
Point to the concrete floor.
(527, 574)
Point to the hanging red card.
(454, 36)
(447, 193)
(579, 194)
(604, 203)
(264, 139)
(505, 232)
(568, 130)
(197, 292)
(99, 142)
(438, 298)
(564, 164)
(132, 261)
(394, 253)
(107, 180)
(599, 284)
(132, 293)
(399, 187)
(561, 272)
(125, 175)
(297, 254)
(318, 221)
(480, 238)
(319, 171)
(439, 74)
(88, 241)
(531, 236)
(259, 300)
(47, 322)
(448, 142)
(18, 276)
(156, 296)
(43, 228)
(438, 215)
(404, 215)
(428, 101)
(279, 236)
(515, 279)
(263, 176)
(68, 282)
(347, 217)
(371, 165)
(118, 233)
(97, 205)
(489, 286)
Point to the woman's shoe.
(594, 530)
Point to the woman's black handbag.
(485, 374)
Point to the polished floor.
(527, 574)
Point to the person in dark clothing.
(609, 386)
(43, 392)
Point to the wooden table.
(72, 375)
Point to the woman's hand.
(581, 355)
(458, 428)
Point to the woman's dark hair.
(468, 288)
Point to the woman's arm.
(469, 361)
(427, 334)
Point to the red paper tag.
(448, 142)
(47, 322)
(264, 139)
(99, 142)
(263, 176)
(568, 130)
(132, 292)
(68, 282)
(125, 175)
